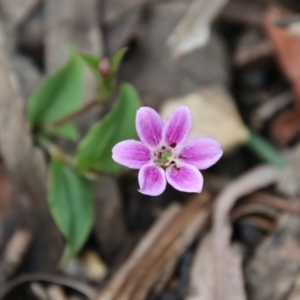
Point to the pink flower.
(163, 154)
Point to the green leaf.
(67, 131)
(266, 151)
(91, 60)
(59, 94)
(70, 200)
(94, 151)
(117, 59)
(108, 83)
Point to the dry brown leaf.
(193, 31)
(202, 278)
(287, 49)
(214, 115)
(229, 278)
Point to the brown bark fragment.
(27, 170)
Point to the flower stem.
(73, 115)
(56, 152)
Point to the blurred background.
(236, 64)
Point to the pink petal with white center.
(200, 152)
(186, 178)
(132, 154)
(177, 126)
(149, 127)
(152, 180)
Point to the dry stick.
(127, 280)
(197, 225)
(264, 224)
(264, 203)
(164, 278)
(73, 115)
(226, 260)
(167, 238)
(172, 253)
(253, 208)
(144, 282)
(275, 202)
(120, 277)
(249, 55)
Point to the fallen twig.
(158, 251)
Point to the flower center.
(164, 157)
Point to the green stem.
(58, 153)
(263, 149)
(73, 115)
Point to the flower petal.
(177, 126)
(186, 178)
(152, 180)
(132, 154)
(149, 127)
(200, 152)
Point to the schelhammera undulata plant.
(164, 154)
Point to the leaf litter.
(241, 73)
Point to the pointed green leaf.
(117, 59)
(94, 61)
(94, 151)
(59, 94)
(108, 83)
(91, 60)
(70, 200)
